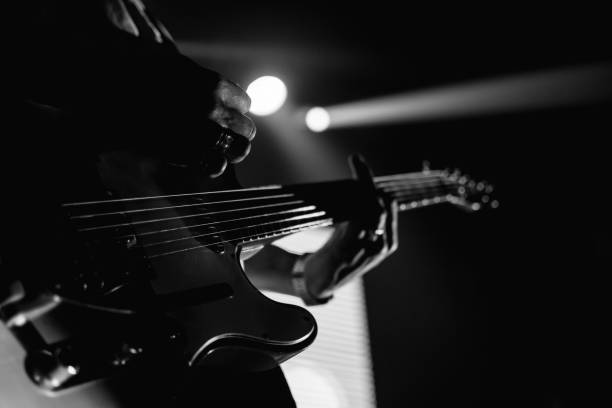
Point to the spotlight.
(317, 119)
(520, 92)
(267, 95)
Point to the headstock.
(430, 187)
(468, 193)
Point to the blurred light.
(336, 371)
(312, 388)
(305, 241)
(267, 95)
(317, 119)
(544, 89)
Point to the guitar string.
(215, 233)
(271, 214)
(397, 188)
(285, 231)
(180, 217)
(284, 194)
(406, 194)
(242, 239)
(248, 189)
(293, 210)
(245, 238)
(276, 232)
(417, 174)
(121, 200)
(171, 207)
(396, 193)
(132, 210)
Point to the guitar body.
(88, 325)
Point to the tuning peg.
(455, 174)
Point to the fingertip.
(394, 206)
(240, 157)
(355, 159)
(359, 167)
(214, 165)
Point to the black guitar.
(133, 278)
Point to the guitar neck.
(414, 190)
(307, 206)
(169, 224)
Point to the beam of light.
(336, 371)
(286, 152)
(267, 95)
(317, 119)
(544, 89)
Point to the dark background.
(493, 309)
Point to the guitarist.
(110, 67)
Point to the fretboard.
(177, 223)
(414, 190)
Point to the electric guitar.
(145, 276)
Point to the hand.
(230, 103)
(357, 246)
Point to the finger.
(166, 36)
(372, 206)
(232, 96)
(238, 150)
(235, 121)
(119, 16)
(382, 227)
(214, 163)
(361, 263)
(373, 216)
(360, 169)
(353, 265)
(391, 226)
(145, 26)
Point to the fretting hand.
(356, 246)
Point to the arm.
(354, 248)
(117, 81)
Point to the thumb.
(360, 169)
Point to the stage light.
(317, 119)
(267, 95)
(522, 92)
